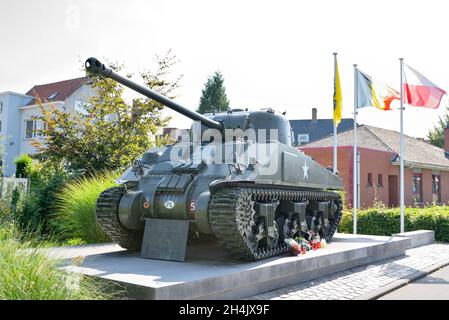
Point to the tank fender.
(201, 213)
(130, 210)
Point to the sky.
(274, 54)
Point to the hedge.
(385, 222)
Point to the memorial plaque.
(165, 239)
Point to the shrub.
(23, 164)
(75, 213)
(27, 273)
(33, 214)
(387, 221)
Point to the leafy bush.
(23, 164)
(75, 213)
(33, 214)
(387, 221)
(27, 273)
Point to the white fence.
(8, 185)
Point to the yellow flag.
(338, 103)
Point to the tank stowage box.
(235, 175)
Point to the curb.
(379, 292)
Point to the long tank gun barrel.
(94, 66)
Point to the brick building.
(426, 167)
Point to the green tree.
(213, 96)
(436, 135)
(111, 132)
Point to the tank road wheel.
(290, 226)
(250, 226)
(108, 219)
(267, 229)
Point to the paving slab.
(208, 274)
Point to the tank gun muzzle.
(94, 66)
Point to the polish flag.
(420, 91)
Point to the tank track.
(224, 213)
(108, 219)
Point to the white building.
(17, 126)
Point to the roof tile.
(64, 89)
(415, 150)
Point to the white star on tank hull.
(305, 169)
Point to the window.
(1, 106)
(436, 188)
(0, 126)
(53, 95)
(417, 188)
(44, 126)
(370, 179)
(303, 138)
(30, 129)
(380, 180)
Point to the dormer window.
(303, 138)
(53, 95)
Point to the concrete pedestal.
(208, 274)
(418, 238)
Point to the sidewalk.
(367, 282)
(434, 286)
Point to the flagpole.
(335, 149)
(335, 167)
(354, 183)
(401, 146)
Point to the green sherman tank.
(241, 181)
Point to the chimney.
(446, 140)
(315, 116)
